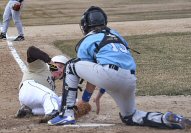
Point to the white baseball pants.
(39, 98)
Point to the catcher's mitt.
(81, 109)
(17, 6)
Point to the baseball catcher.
(104, 60)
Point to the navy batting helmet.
(92, 17)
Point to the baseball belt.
(111, 66)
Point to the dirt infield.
(43, 36)
(11, 76)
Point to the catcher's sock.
(20, 38)
(69, 112)
(2, 36)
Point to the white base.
(11, 38)
(89, 125)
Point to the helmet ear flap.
(83, 23)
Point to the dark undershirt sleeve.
(34, 53)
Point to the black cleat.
(24, 111)
(3, 36)
(20, 38)
(48, 117)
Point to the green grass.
(62, 12)
(1, 13)
(163, 67)
(67, 47)
(150, 15)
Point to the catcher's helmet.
(60, 59)
(92, 17)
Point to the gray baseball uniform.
(8, 13)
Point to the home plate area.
(89, 125)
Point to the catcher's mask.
(92, 17)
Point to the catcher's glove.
(81, 109)
(17, 6)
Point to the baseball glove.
(17, 6)
(81, 109)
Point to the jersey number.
(122, 48)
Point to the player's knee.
(70, 67)
(16, 22)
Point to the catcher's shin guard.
(69, 95)
(151, 119)
(68, 98)
(154, 119)
(70, 87)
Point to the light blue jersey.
(113, 53)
